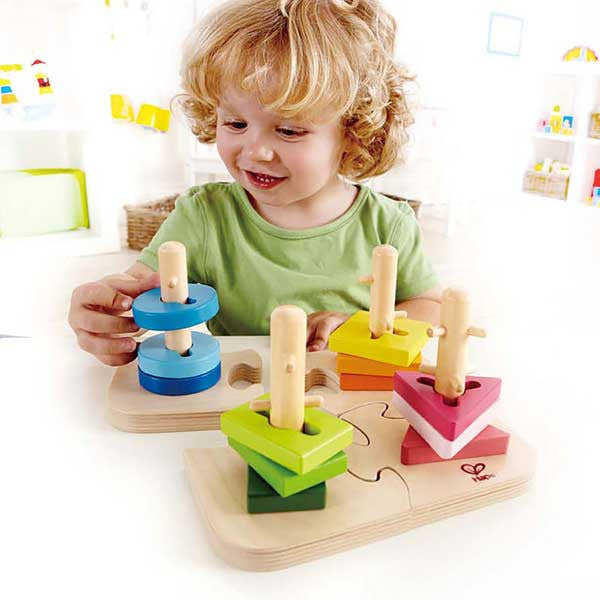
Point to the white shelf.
(554, 137)
(50, 125)
(577, 85)
(78, 242)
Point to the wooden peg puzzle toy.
(451, 409)
(368, 464)
(179, 361)
(292, 447)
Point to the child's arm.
(424, 307)
(96, 313)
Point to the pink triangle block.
(490, 442)
(448, 421)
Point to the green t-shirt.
(256, 266)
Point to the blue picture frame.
(505, 34)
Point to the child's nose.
(260, 151)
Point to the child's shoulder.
(393, 205)
(387, 212)
(207, 194)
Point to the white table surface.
(87, 511)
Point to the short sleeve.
(184, 224)
(415, 273)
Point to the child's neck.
(327, 205)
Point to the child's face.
(304, 156)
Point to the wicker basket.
(546, 184)
(143, 220)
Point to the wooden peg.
(476, 332)
(455, 329)
(172, 266)
(383, 290)
(436, 331)
(288, 367)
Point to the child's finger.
(101, 294)
(105, 345)
(117, 360)
(97, 322)
(134, 288)
(322, 331)
(310, 330)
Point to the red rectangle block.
(416, 451)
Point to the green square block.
(300, 451)
(262, 498)
(284, 481)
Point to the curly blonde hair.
(303, 58)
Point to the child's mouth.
(262, 181)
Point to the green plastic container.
(38, 201)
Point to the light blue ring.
(154, 358)
(150, 312)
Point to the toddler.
(304, 101)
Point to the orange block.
(346, 363)
(356, 382)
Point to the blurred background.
(507, 122)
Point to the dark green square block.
(262, 498)
(284, 481)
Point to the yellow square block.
(354, 337)
(346, 363)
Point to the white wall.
(471, 141)
(491, 100)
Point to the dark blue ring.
(179, 387)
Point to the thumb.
(135, 287)
(322, 333)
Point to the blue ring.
(150, 312)
(179, 387)
(154, 358)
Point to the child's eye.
(239, 125)
(289, 132)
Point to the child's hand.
(320, 325)
(95, 316)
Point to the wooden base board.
(132, 408)
(358, 511)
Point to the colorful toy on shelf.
(580, 53)
(549, 165)
(594, 129)
(121, 107)
(567, 125)
(594, 198)
(291, 446)
(26, 94)
(154, 118)
(41, 76)
(179, 361)
(555, 119)
(556, 122)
